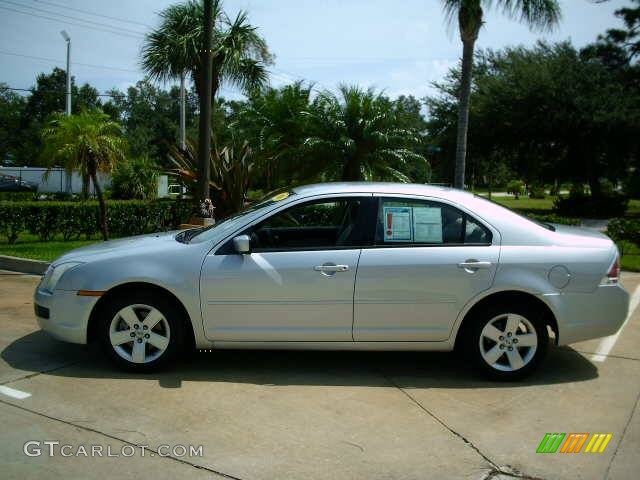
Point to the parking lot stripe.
(12, 392)
(607, 343)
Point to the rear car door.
(297, 283)
(428, 260)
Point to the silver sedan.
(369, 266)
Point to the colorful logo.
(573, 442)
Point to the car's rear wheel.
(509, 342)
(141, 332)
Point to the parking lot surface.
(341, 415)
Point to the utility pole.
(204, 150)
(67, 38)
(183, 138)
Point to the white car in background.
(366, 266)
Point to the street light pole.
(67, 38)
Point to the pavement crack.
(496, 469)
(507, 473)
(35, 374)
(126, 442)
(624, 432)
(607, 355)
(441, 422)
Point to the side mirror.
(242, 244)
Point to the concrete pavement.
(345, 415)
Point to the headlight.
(53, 274)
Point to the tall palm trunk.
(101, 203)
(463, 111)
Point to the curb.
(23, 265)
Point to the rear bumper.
(68, 314)
(584, 316)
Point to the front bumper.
(68, 314)
(584, 316)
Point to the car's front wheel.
(141, 332)
(507, 343)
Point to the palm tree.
(276, 121)
(240, 55)
(89, 142)
(537, 14)
(356, 137)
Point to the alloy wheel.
(508, 342)
(139, 333)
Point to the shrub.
(632, 185)
(73, 219)
(17, 196)
(136, 178)
(537, 191)
(553, 218)
(623, 229)
(515, 188)
(579, 204)
(11, 220)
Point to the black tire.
(472, 341)
(172, 315)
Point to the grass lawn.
(526, 204)
(30, 246)
(630, 259)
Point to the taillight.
(614, 271)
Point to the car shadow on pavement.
(39, 353)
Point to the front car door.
(429, 259)
(297, 283)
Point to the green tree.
(627, 38)
(541, 14)
(356, 136)
(149, 116)
(46, 98)
(89, 142)
(11, 112)
(550, 113)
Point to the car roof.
(383, 187)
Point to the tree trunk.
(463, 111)
(204, 145)
(102, 205)
(351, 172)
(85, 186)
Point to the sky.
(399, 47)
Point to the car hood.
(121, 246)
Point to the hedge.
(624, 229)
(17, 196)
(73, 219)
(554, 218)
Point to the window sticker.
(397, 224)
(427, 225)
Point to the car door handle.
(331, 268)
(473, 265)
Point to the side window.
(314, 225)
(422, 222)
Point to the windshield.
(230, 223)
